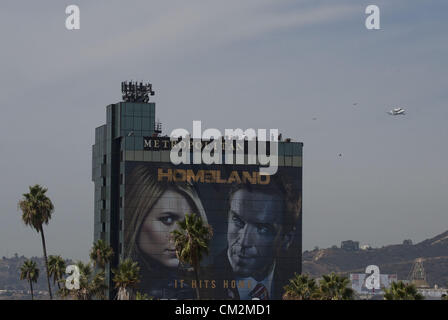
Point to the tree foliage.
(330, 287)
(335, 287)
(56, 269)
(301, 287)
(37, 209)
(126, 277)
(101, 254)
(30, 272)
(191, 241)
(401, 291)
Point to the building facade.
(140, 195)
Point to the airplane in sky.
(396, 112)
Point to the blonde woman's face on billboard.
(154, 237)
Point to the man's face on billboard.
(154, 237)
(254, 232)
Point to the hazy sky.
(251, 63)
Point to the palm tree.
(401, 291)
(56, 269)
(191, 241)
(36, 211)
(98, 286)
(85, 273)
(90, 285)
(335, 287)
(142, 296)
(126, 277)
(445, 296)
(301, 287)
(101, 254)
(64, 292)
(30, 272)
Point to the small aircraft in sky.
(396, 112)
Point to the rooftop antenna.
(136, 92)
(158, 127)
(417, 275)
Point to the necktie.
(260, 291)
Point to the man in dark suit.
(262, 224)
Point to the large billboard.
(256, 221)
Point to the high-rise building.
(140, 195)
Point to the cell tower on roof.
(417, 275)
(136, 92)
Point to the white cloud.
(186, 29)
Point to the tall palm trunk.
(46, 260)
(31, 287)
(196, 273)
(58, 293)
(123, 294)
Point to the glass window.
(137, 110)
(146, 124)
(129, 143)
(296, 149)
(128, 109)
(281, 148)
(288, 149)
(129, 123)
(145, 110)
(138, 143)
(137, 123)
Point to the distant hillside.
(392, 259)
(10, 278)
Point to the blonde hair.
(140, 198)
